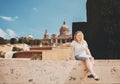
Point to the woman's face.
(78, 36)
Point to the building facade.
(63, 37)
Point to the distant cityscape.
(47, 40)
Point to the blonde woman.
(82, 52)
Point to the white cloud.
(3, 34)
(8, 18)
(11, 33)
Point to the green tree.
(22, 40)
(3, 41)
(13, 41)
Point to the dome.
(30, 36)
(64, 30)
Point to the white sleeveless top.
(80, 49)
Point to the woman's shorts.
(77, 57)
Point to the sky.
(20, 18)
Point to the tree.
(13, 41)
(22, 40)
(3, 41)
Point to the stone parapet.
(58, 53)
(26, 71)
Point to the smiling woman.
(83, 53)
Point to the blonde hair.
(82, 36)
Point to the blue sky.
(23, 17)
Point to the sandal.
(96, 78)
(90, 75)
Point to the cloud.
(11, 33)
(3, 34)
(8, 18)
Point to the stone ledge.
(25, 71)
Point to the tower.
(46, 36)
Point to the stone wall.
(58, 53)
(25, 71)
(37, 72)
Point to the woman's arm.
(71, 57)
(88, 51)
(90, 56)
(65, 45)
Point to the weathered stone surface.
(25, 71)
(58, 53)
(8, 49)
(108, 71)
(37, 71)
(34, 55)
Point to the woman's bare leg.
(90, 66)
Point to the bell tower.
(46, 36)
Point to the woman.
(82, 53)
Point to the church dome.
(64, 30)
(30, 36)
